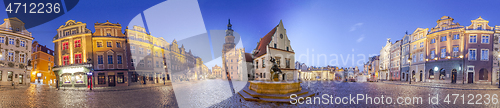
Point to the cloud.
(355, 26)
(360, 38)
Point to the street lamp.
(90, 73)
(28, 67)
(411, 74)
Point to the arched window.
(483, 74)
(431, 74)
(442, 74)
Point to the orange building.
(42, 62)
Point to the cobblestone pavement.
(217, 93)
(377, 89)
(45, 97)
(459, 86)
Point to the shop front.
(73, 77)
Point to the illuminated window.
(443, 52)
(484, 54)
(11, 41)
(472, 54)
(65, 60)
(100, 59)
(101, 78)
(110, 59)
(21, 58)
(11, 56)
(77, 43)
(472, 39)
(99, 44)
(118, 44)
(120, 78)
(65, 45)
(108, 44)
(455, 51)
(485, 39)
(78, 58)
(119, 59)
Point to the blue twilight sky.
(346, 32)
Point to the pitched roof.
(248, 57)
(264, 41)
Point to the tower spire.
(229, 26)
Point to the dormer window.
(17, 29)
(479, 27)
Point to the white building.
(385, 60)
(15, 52)
(275, 44)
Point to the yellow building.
(72, 48)
(42, 62)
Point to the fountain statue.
(275, 71)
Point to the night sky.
(321, 27)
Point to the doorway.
(454, 76)
(470, 77)
(111, 80)
(421, 76)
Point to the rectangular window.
(257, 64)
(110, 59)
(484, 54)
(99, 44)
(414, 58)
(485, 39)
(472, 54)
(2, 39)
(132, 49)
(443, 52)
(472, 39)
(118, 44)
(414, 46)
(100, 59)
(433, 54)
(11, 56)
(101, 78)
(422, 57)
(433, 41)
(11, 41)
(77, 43)
(119, 59)
(65, 45)
(456, 36)
(1, 75)
(140, 50)
(149, 52)
(455, 51)
(23, 44)
(443, 38)
(421, 44)
(78, 58)
(108, 44)
(263, 63)
(157, 64)
(120, 79)
(9, 76)
(21, 58)
(65, 60)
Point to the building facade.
(478, 61)
(445, 52)
(276, 45)
(72, 54)
(43, 63)
(405, 54)
(417, 54)
(15, 52)
(385, 61)
(395, 59)
(109, 55)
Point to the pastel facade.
(15, 52)
(275, 44)
(43, 63)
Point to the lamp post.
(90, 73)
(411, 74)
(28, 67)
